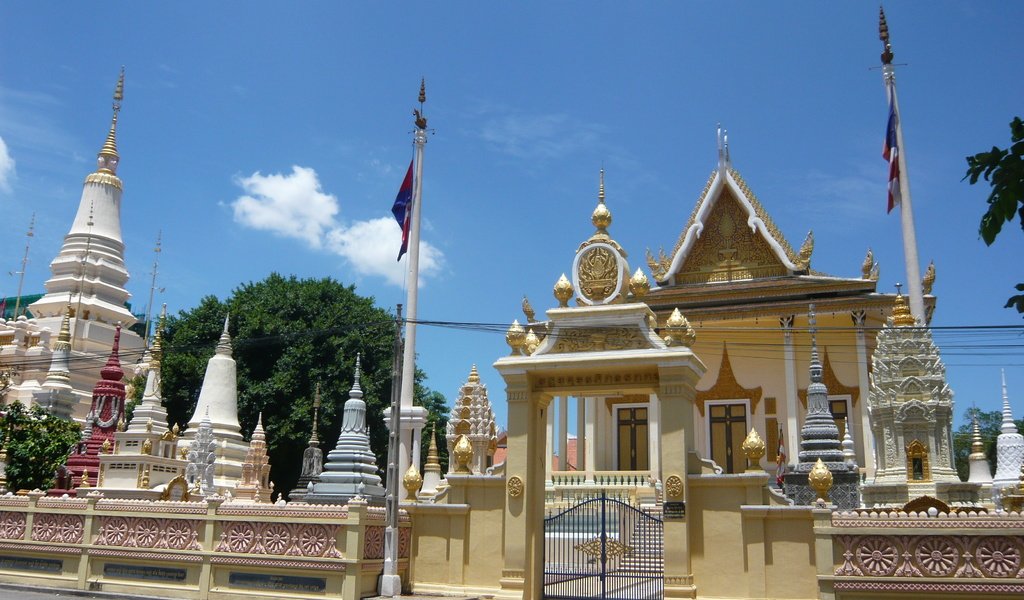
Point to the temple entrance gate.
(604, 548)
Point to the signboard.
(281, 583)
(122, 571)
(674, 510)
(21, 563)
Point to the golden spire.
(316, 414)
(602, 217)
(156, 350)
(474, 376)
(108, 156)
(901, 316)
(421, 121)
(64, 337)
(977, 446)
(883, 34)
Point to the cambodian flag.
(402, 209)
(890, 152)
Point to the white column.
(654, 436)
(792, 402)
(563, 433)
(549, 452)
(590, 428)
(867, 437)
(417, 438)
(581, 438)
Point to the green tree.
(1004, 170)
(989, 423)
(288, 335)
(36, 443)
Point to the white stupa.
(1009, 449)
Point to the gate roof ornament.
(600, 272)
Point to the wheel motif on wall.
(240, 537)
(276, 539)
(45, 528)
(877, 556)
(12, 527)
(313, 540)
(373, 544)
(998, 557)
(115, 531)
(937, 556)
(674, 486)
(178, 535)
(146, 533)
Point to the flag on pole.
(402, 209)
(890, 152)
(780, 461)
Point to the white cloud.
(6, 167)
(295, 206)
(289, 205)
(371, 247)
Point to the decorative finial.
(812, 328)
(602, 217)
(356, 391)
(929, 279)
(1008, 426)
(531, 342)
(108, 157)
(901, 316)
(563, 291)
(867, 265)
(314, 439)
(883, 34)
(977, 445)
(515, 337)
(474, 376)
(806, 249)
(820, 479)
(224, 344)
(463, 453)
(753, 448)
(411, 481)
(600, 187)
(528, 311)
(421, 121)
(678, 330)
(156, 351)
(423, 90)
(638, 284)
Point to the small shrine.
(255, 485)
(473, 418)
(312, 457)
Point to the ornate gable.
(729, 237)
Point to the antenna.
(24, 262)
(152, 286)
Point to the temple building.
(89, 276)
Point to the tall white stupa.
(89, 273)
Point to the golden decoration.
(901, 316)
(659, 268)
(105, 447)
(638, 284)
(176, 490)
(596, 339)
(515, 486)
(528, 311)
(120, 423)
(929, 279)
(144, 484)
(612, 548)
(531, 342)
(867, 265)
(674, 486)
(820, 479)
(147, 446)
(916, 450)
(804, 256)
(183, 453)
(149, 426)
(463, 453)
(598, 273)
(726, 387)
(753, 447)
(411, 481)
(563, 291)
(99, 480)
(515, 337)
(474, 375)
(678, 330)
(84, 481)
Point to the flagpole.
(913, 265)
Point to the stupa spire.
(108, 158)
(151, 409)
(312, 457)
(224, 344)
(1009, 447)
(1008, 426)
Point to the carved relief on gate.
(148, 532)
(954, 556)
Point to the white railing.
(569, 487)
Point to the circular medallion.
(515, 486)
(597, 273)
(674, 486)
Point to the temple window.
(918, 468)
(727, 428)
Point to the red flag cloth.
(780, 461)
(402, 209)
(890, 152)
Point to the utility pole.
(24, 263)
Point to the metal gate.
(604, 548)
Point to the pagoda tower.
(911, 410)
(218, 403)
(351, 468)
(474, 418)
(312, 457)
(819, 440)
(57, 395)
(106, 415)
(255, 485)
(1009, 450)
(89, 270)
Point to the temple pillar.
(590, 428)
(792, 404)
(654, 436)
(563, 433)
(524, 426)
(864, 383)
(581, 438)
(549, 446)
(677, 390)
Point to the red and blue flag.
(890, 152)
(402, 209)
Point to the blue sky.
(304, 109)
